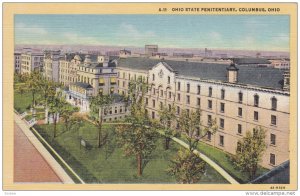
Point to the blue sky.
(175, 31)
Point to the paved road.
(29, 165)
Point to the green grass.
(223, 159)
(96, 165)
(22, 102)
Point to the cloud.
(22, 28)
(74, 38)
(130, 32)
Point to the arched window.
(274, 103)
(256, 100)
(222, 94)
(240, 97)
(210, 91)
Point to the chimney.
(232, 73)
(286, 80)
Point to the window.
(239, 147)
(240, 97)
(116, 110)
(161, 105)
(178, 97)
(153, 103)
(210, 91)
(178, 110)
(255, 115)
(187, 99)
(161, 93)
(198, 89)
(129, 77)
(222, 107)
(240, 112)
(209, 120)
(198, 101)
(153, 77)
(112, 90)
(187, 112)
(188, 88)
(170, 95)
(169, 106)
(222, 94)
(240, 129)
(124, 75)
(273, 139)
(146, 101)
(256, 100)
(221, 142)
(272, 159)
(221, 123)
(273, 120)
(208, 135)
(169, 80)
(153, 91)
(178, 86)
(209, 104)
(153, 115)
(274, 103)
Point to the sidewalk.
(33, 163)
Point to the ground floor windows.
(272, 159)
(221, 140)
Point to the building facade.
(17, 62)
(240, 98)
(51, 65)
(31, 61)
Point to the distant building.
(208, 53)
(258, 62)
(183, 55)
(240, 98)
(17, 62)
(31, 61)
(151, 49)
(124, 53)
(280, 64)
(51, 65)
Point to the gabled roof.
(257, 76)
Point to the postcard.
(150, 96)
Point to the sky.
(240, 32)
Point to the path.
(32, 162)
(29, 165)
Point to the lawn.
(223, 159)
(108, 164)
(23, 101)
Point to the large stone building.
(240, 98)
(17, 62)
(95, 75)
(31, 61)
(51, 65)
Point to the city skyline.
(169, 31)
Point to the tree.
(250, 150)
(99, 106)
(56, 103)
(32, 85)
(137, 137)
(167, 116)
(187, 168)
(191, 125)
(66, 113)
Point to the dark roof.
(247, 61)
(258, 76)
(83, 85)
(117, 98)
(278, 175)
